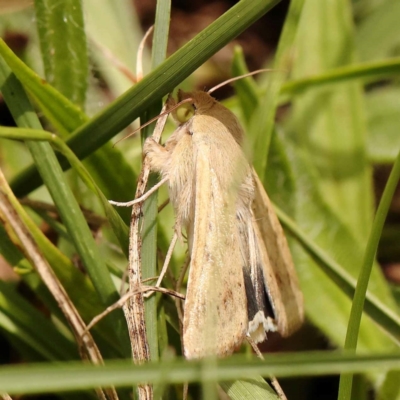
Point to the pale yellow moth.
(241, 277)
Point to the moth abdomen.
(259, 309)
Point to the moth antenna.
(114, 60)
(236, 78)
(139, 57)
(154, 119)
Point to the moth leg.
(158, 156)
(141, 198)
(166, 263)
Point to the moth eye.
(185, 112)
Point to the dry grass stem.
(87, 346)
(134, 307)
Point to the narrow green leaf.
(63, 43)
(80, 376)
(370, 72)
(365, 273)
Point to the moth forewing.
(279, 273)
(215, 321)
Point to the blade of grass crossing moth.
(72, 376)
(159, 82)
(69, 209)
(365, 273)
(150, 207)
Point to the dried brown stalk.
(87, 346)
(134, 307)
(121, 302)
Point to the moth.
(241, 276)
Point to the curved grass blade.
(119, 114)
(353, 328)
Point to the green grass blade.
(81, 376)
(370, 71)
(63, 43)
(365, 273)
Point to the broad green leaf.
(377, 35)
(329, 122)
(383, 117)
